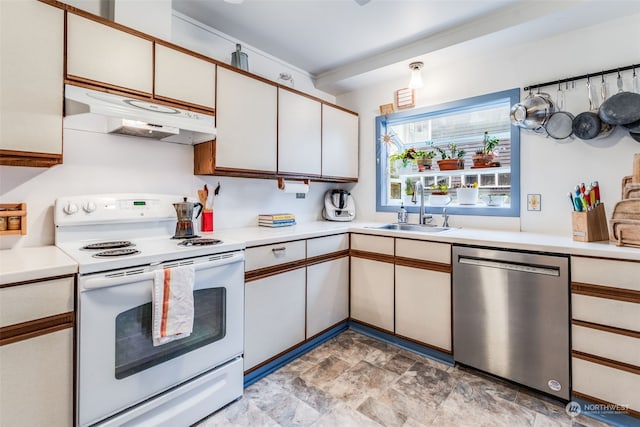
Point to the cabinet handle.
(276, 251)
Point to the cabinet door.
(274, 316)
(372, 292)
(299, 140)
(339, 143)
(37, 381)
(105, 55)
(246, 123)
(31, 74)
(184, 78)
(423, 306)
(327, 294)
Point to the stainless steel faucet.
(445, 222)
(422, 218)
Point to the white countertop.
(24, 264)
(256, 236)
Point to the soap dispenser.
(402, 215)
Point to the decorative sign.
(405, 98)
(534, 202)
(386, 109)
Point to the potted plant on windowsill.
(440, 195)
(484, 156)
(406, 161)
(452, 160)
(424, 160)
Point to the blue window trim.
(513, 95)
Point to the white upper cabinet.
(246, 123)
(99, 53)
(184, 78)
(299, 134)
(339, 143)
(31, 75)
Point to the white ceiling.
(344, 45)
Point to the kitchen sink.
(426, 228)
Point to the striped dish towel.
(172, 303)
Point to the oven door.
(118, 366)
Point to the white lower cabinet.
(37, 353)
(274, 315)
(372, 292)
(423, 306)
(37, 381)
(605, 308)
(327, 294)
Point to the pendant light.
(416, 75)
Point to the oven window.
(134, 345)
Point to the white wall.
(98, 163)
(550, 168)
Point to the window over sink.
(476, 138)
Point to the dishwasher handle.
(510, 265)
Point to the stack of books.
(276, 220)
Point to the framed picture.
(387, 109)
(405, 98)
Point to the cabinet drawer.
(425, 251)
(327, 245)
(375, 244)
(606, 383)
(270, 255)
(606, 272)
(621, 314)
(32, 301)
(622, 348)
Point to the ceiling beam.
(507, 17)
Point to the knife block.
(590, 226)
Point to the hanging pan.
(623, 108)
(588, 125)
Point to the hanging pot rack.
(584, 76)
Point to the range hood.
(87, 109)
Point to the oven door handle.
(124, 278)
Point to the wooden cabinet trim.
(369, 325)
(423, 265)
(327, 257)
(372, 256)
(28, 158)
(606, 292)
(589, 398)
(34, 328)
(273, 270)
(424, 344)
(43, 279)
(605, 328)
(627, 367)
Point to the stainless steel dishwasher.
(511, 316)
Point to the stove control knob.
(70, 208)
(89, 207)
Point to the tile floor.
(355, 380)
